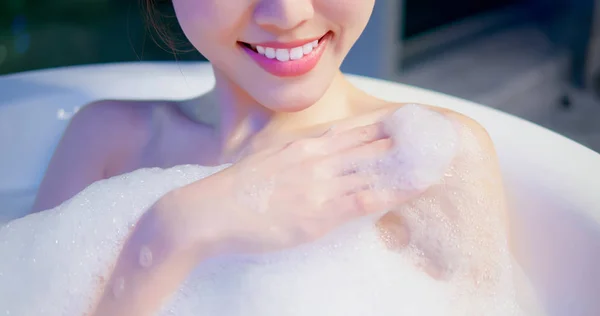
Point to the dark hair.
(162, 25)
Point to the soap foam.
(457, 224)
(426, 143)
(54, 262)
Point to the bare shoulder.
(112, 131)
(478, 131)
(97, 135)
(477, 153)
(476, 157)
(112, 116)
(467, 122)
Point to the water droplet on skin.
(145, 259)
(118, 287)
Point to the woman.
(278, 92)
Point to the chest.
(164, 147)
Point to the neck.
(241, 120)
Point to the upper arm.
(490, 196)
(478, 154)
(83, 152)
(477, 157)
(470, 195)
(475, 173)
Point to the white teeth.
(284, 55)
(270, 52)
(296, 53)
(307, 48)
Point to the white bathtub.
(555, 182)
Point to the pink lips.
(290, 68)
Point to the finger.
(327, 145)
(431, 268)
(360, 181)
(363, 158)
(375, 116)
(369, 201)
(355, 137)
(326, 192)
(352, 183)
(394, 232)
(360, 203)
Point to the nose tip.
(281, 15)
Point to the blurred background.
(537, 59)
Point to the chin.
(292, 97)
(291, 100)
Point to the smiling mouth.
(285, 54)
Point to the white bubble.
(145, 259)
(118, 287)
(41, 276)
(426, 142)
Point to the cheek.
(350, 16)
(347, 13)
(207, 22)
(192, 17)
(357, 14)
(190, 12)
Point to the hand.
(283, 197)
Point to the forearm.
(150, 268)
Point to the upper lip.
(291, 44)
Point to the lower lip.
(290, 68)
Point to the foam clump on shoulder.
(457, 225)
(426, 143)
(53, 262)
